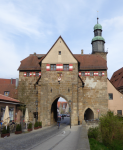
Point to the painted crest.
(59, 75)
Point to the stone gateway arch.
(60, 73)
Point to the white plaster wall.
(117, 102)
(65, 58)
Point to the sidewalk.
(66, 139)
(69, 139)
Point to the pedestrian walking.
(58, 121)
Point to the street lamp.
(36, 103)
(70, 111)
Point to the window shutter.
(30, 74)
(86, 73)
(24, 74)
(59, 67)
(34, 74)
(95, 73)
(70, 67)
(39, 73)
(103, 73)
(48, 67)
(79, 73)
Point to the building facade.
(13, 105)
(115, 99)
(79, 78)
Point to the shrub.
(95, 145)
(111, 128)
(30, 125)
(4, 131)
(40, 124)
(36, 124)
(18, 127)
(93, 133)
(8, 129)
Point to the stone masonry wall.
(93, 95)
(30, 91)
(49, 80)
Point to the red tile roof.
(30, 63)
(5, 85)
(10, 88)
(91, 62)
(61, 103)
(8, 99)
(117, 78)
(87, 62)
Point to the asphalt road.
(28, 141)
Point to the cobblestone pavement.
(27, 140)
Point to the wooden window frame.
(110, 97)
(66, 67)
(53, 67)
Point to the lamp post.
(70, 112)
(36, 103)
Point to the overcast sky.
(28, 26)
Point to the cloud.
(16, 20)
(114, 35)
(8, 60)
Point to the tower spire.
(97, 17)
(97, 20)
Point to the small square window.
(91, 74)
(100, 73)
(66, 67)
(110, 95)
(6, 93)
(27, 74)
(119, 112)
(53, 67)
(59, 53)
(37, 74)
(83, 73)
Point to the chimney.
(16, 83)
(82, 52)
(34, 54)
(11, 80)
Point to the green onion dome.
(98, 38)
(97, 26)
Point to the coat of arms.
(59, 75)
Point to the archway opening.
(88, 115)
(60, 107)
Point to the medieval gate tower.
(80, 78)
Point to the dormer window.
(59, 52)
(6, 93)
